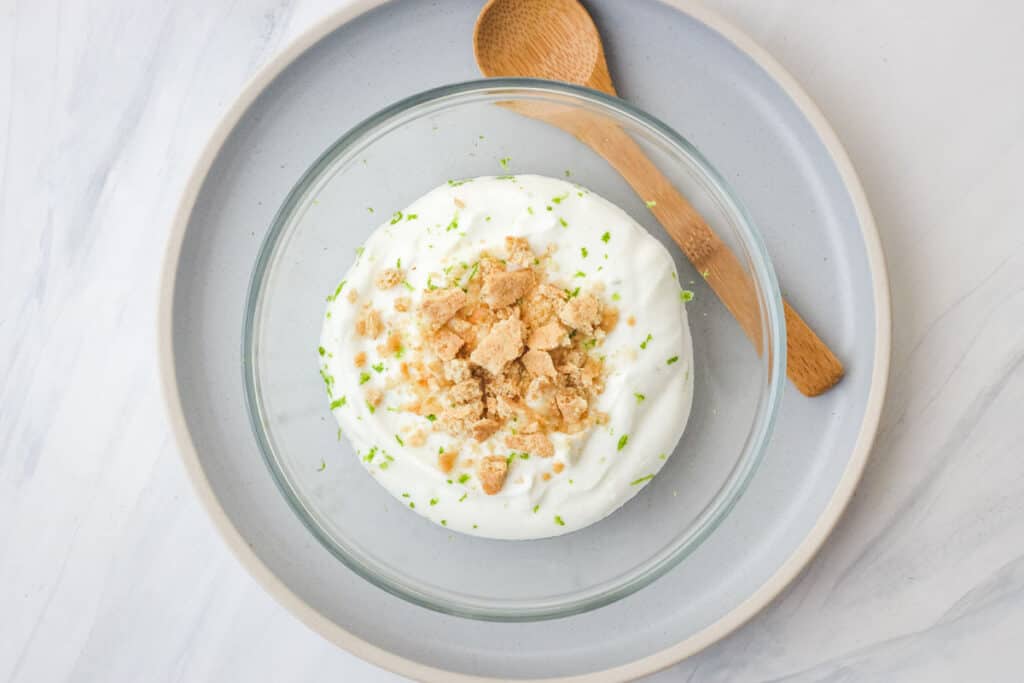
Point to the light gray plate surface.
(747, 118)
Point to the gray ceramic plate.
(748, 118)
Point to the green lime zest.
(623, 440)
(639, 397)
(364, 377)
(395, 217)
(337, 291)
(605, 237)
(339, 402)
(641, 480)
(685, 295)
(671, 360)
(559, 521)
(645, 342)
(399, 440)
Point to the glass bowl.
(461, 131)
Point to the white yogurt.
(649, 381)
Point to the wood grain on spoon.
(557, 40)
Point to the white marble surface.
(111, 572)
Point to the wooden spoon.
(557, 40)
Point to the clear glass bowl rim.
(773, 331)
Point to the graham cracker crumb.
(456, 370)
(446, 460)
(491, 471)
(539, 363)
(403, 304)
(368, 324)
(360, 359)
(534, 444)
(503, 344)
(581, 313)
(389, 277)
(440, 305)
(446, 344)
(519, 251)
(483, 429)
(571, 405)
(549, 336)
(503, 289)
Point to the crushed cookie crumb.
(503, 344)
(368, 324)
(539, 363)
(534, 444)
(483, 429)
(571, 405)
(491, 471)
(581, 313)
(403, 304)
(446, 460)
(352, 296)
(389, 277)
(440, 305)
(446, 344)
(503, 289)
(549, 336)
(519, 251)
(360, 359)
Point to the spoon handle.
(810, 364)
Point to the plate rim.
(649, 664)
